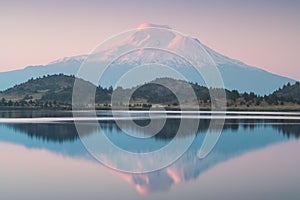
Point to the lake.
(42, 157)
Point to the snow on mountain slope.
(235, 74)
(11, 78)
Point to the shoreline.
(254, 109)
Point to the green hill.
(289, 92)
(36, 88)
(55, 91)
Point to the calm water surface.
(253, 159)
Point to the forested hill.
(289, 92)
(56, 91)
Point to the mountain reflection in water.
(238, 138)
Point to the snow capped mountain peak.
(144, 37)
(177, 42)
(235, 74)
(165, 38)
(149, 25)
(79, 58)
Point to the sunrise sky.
(264, 34)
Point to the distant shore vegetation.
(55, 92)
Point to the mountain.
(245, 78)
(231, 145)
(68, 66)
(236, 75)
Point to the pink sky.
(261, 34)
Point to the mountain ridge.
(236, 74)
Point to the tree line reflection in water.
(238, 137)
(60, 132)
